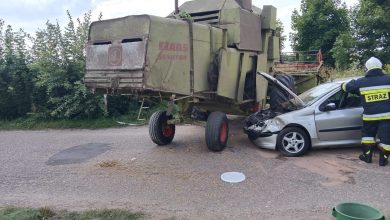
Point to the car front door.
(341, 121)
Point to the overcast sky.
(32, 14)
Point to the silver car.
(326, 116)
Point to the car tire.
(293, 142)
(217, 131)
(160, 131)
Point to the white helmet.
(373, 63)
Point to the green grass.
(38, 124)
(334, 74)
(345, 74)
(49, 214)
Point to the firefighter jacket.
(374, 90)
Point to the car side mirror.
(330, 107)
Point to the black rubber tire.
(295, 149)
(277, 95)
(157, 124)
(250, 86)
(217, 131)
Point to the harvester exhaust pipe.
(176, 6)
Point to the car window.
(351, 101)
(343, 100)
(314, 94)
(336, 99)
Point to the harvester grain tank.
(205, 55)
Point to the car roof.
(342, 80)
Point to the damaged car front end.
(323, 116)
(263, 125)
(266, 124)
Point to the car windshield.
(312, 95)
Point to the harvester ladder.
(140, 110)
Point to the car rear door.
(342, 123)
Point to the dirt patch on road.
(109, 164)
(336, 171)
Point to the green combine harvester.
(204, 56)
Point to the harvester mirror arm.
(273, 80)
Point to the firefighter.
(374, 90)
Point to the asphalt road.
(122, 168)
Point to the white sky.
(32, 14)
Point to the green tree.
(280, 33)
(371, 22)
(343, 51)
(59, 61)
(15, 77)
(317, 26)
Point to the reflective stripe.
(374, 88)
(374, 67)
(368, 140)
(374, 91)
(344, 87)
(376, 117)
(385, 146)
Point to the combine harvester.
(204, 56)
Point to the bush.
(386, 68)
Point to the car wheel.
(293, 142)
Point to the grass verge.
(49, 214)
(38, 124)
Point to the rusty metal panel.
(113, 79)
(124, 56)
(250, 31)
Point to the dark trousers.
(380, 129)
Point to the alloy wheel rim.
(293, 142)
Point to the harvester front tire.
(160, 131)
(217, 131)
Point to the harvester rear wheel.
(217, 131)
(160, 131)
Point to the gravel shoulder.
(182, 180)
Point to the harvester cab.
(205, 55)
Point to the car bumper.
(266, 142)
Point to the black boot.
(383, 158)
(367, 154)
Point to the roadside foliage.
(41, 75)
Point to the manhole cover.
(233, 177)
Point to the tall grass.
(38, 124)
(339, 74)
